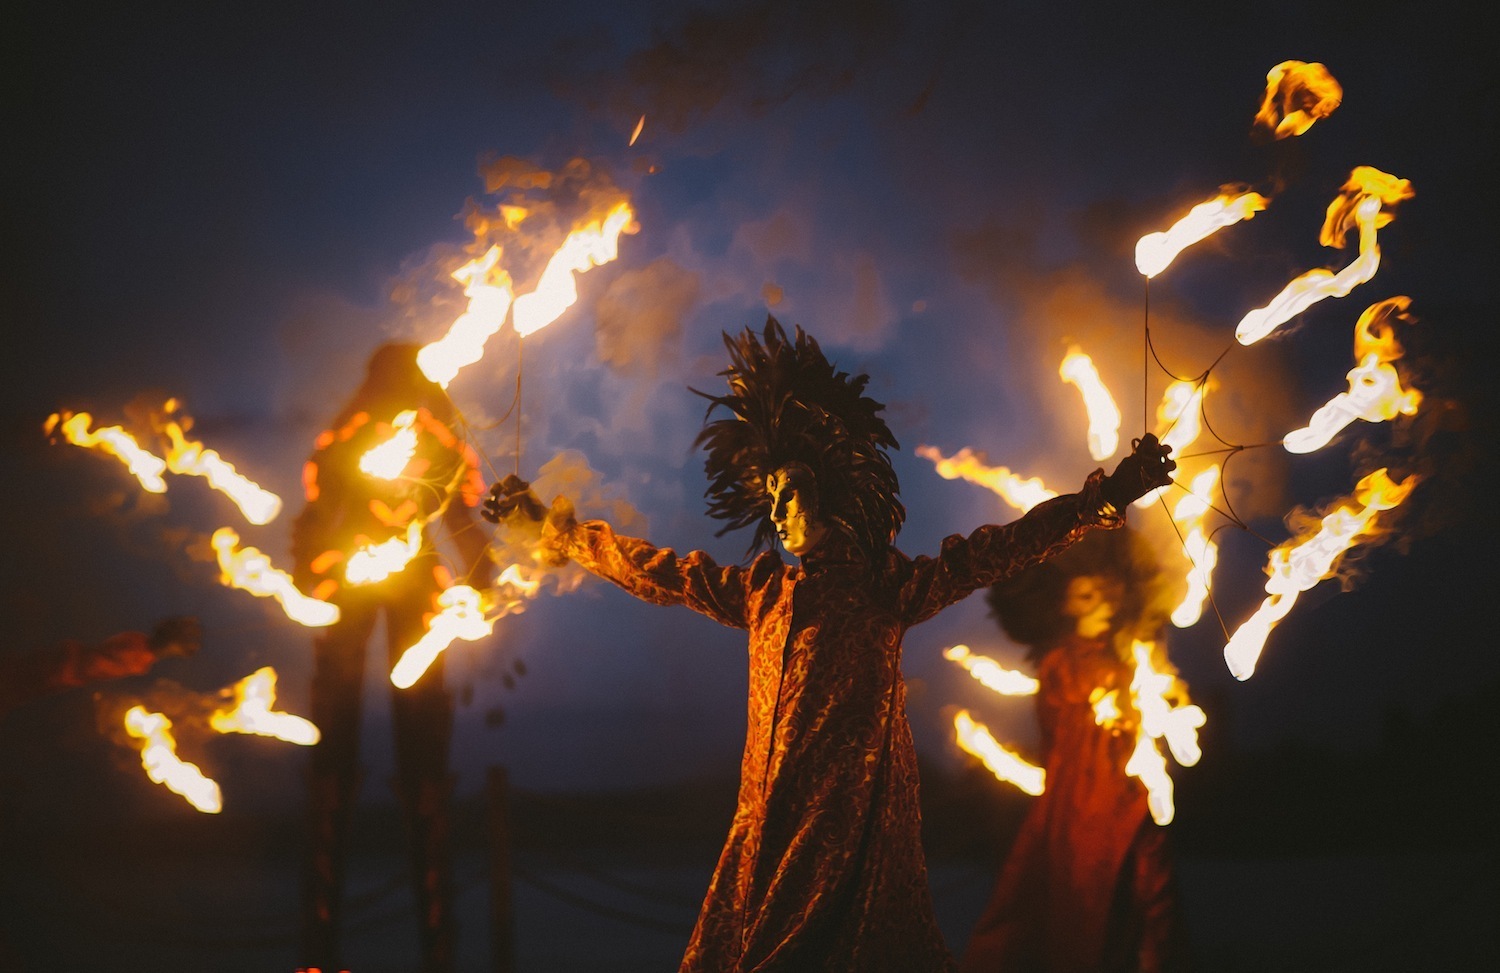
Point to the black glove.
(1146, 468)
(509, 496)
(179, 635)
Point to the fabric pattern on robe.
(1087, 886)
(823, 867)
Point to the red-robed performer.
(823, 868)
(347, 508)
(1088, 885)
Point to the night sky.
(237, 206)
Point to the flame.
(1104, 416)
(386, 460)
(1179, 423)
(991, 674)
(1106, 706)
(488, 289)
(637, 133)
(250, 570)
(1375, 393)
(1178, 725)
(1297, 95)
(1359, 205)
(1154, 252)
(595, 244)
(1297, 566)
(376, 562)
(250, 712)
(143, 465)
(461, 617)
(1202, 553)
(163, 766)
(975, 738)
(189, 458)
(1020, 492)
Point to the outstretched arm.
(993, 553)
(657, 575)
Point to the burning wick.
(1020, 492)
(1104, 416)
(250, 712)
(1297, 95)
(163, 766)
(461, 617)
(1154, 252)
(250, 570)
(974, 738)
(991, 674)
(144, 466)
(488, 289)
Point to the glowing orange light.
(190, 458)
(1202, 552)
(250, 712)
(991, 674)
(1179, 423)
(386, 460)
(637, 133)
(1178, 725)
(1104, 416)
(1297, 566)
(1297, 95)
(461, 617)
(163, 766)
(1106, 706)
(143, 465)
(1154, 252)
(488, 289)
(376, 562)
(557, 290)
(974, 738)
(252, 571)
(1020, 492)
(1359, 205)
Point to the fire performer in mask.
(823, 867)
(346, 508)
(1087, 887)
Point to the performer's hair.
(788, 404)
(1029, 604)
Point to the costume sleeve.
(993, 553)
(657, 574)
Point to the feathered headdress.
(789, 405)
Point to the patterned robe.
(1087, 886)
(823, 868)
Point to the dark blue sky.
(222, 206)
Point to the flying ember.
(250, 570)
(1297, 95)
(1297, 566)
(461, 617)
(143, 465)
(991, 674)
(1154, 252)
(1359, 205)
(249, 711)
(1020, 492)
(974, 738)
(1104, 416)
(163, 766)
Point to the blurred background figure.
(349, 508)
(72, 663)
(1087, 886)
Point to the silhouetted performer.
(72, 662)
(1087, 886)
(823, 868)
(347, 508)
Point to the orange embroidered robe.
(823, 868)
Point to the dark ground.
(1294, 859)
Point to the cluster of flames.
(244, 707)
(1157, 712)
(462, 612)
(1297, 95)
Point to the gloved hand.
(178, 635)
(509, 497)
(1146, 468)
